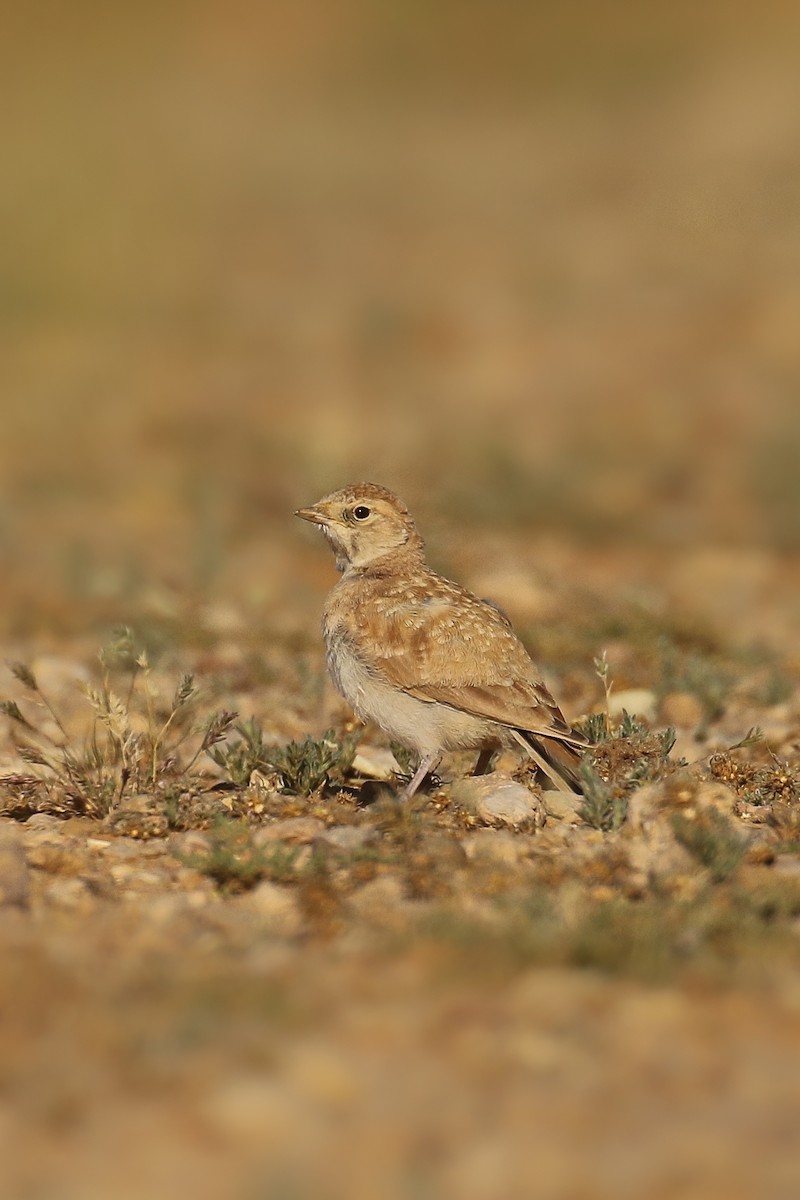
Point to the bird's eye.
(361, 512)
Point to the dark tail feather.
(562, 762)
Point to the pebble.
(192, 844)
(497, 846)
(564, 806)
(299, 831)
(346, 838)
(133, 823)
(638, 702)
(498, 800)
(681, 709)
(136, 879)
(375, 762)
(41, 821)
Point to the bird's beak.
(315, 515)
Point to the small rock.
(137, 824)
(681, 709)
(40, 821)
(143, 802)
(15, 876)
(123, 848)
(376, 763)
(639, 702)
(564, 806)
(650, 842)
(299, 831)
(498, 800)
(381, 900)
(346, 839)
(136, 879)
(58, 855)
(192, 844)
(278, 905)
(494, 846)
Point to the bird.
(434, 666)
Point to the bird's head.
(363, 523)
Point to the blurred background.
(535, 266)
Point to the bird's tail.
(560, 761)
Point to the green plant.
(247, 753)
(307, 765)
(603, 806)
(303, 766)
(135, 741)
(619, 763)
(602, 669)
(712, 840)
(236, 863)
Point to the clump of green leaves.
(604, 806)
(241, 756)
(307, 765)
(237, 863)
(595, 728)
(598, 728)
(712, 840)
(622, 760)
(303, 766)
(759, 783)
(136, 741)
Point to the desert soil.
(538, 273)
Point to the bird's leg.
(426, 764)
(484, 762)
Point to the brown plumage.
(433, 665)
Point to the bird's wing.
(457, 650)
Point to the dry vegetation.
(538, 272)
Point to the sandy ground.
(538, 272)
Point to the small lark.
(434, 666)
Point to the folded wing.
(461, 652)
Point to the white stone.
(375, 762)
(297, 830)
(345, 838)
(638, 702)
(498, 800)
